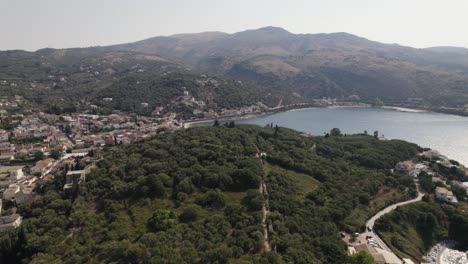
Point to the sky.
(36, 24)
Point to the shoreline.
(404, 109)
(301, 107)
(190, 124)
(294, 108)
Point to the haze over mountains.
(315, 65)
(303, 65)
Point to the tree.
(161, 220)
(362, 257)
(276, 130)
(376, 134)
(39, 155)
(459, 192)
(335, 132)
(216, 123)
(425, 180)
(253, 200)
(155, 186)
(68, 129)
(214, 199)
(55, 154)
(189, 214)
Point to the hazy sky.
(34, 24)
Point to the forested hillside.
(192, 196)
(271, 63)
(316, 65)
(412, 230)
(73, 79)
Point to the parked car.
(369, 228)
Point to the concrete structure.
(442, 194)
(14, 173)
(74, 179)
(381, 256)
(42, 166)
(11, 192)
(10, 222)
(26, 191)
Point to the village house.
(4, 182)
(73, 179)
(445, 195)
(3, 135)
(380, 256)
(6, 153)
(11, 192)
(405, 167)
(42, 166)
(26, 191)
(15, 173)
(10, 222)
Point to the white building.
(16, 172)
(445, 195)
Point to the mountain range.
(270, 60)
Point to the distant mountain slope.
(316, 65)
(447, 49)
(293, 67)
(74, 78)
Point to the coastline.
(188, 124)
(404, 109)
(301, 107)
(287, 108)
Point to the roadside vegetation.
(413, 229)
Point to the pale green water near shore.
(445, 133)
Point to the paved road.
(384, 211)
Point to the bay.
(446, 133)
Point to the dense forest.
(192, 196)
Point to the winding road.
(386, 210)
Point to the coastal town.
(36, 147)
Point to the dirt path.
(266, 240)
(265, 207)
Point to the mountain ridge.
(309, 66)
